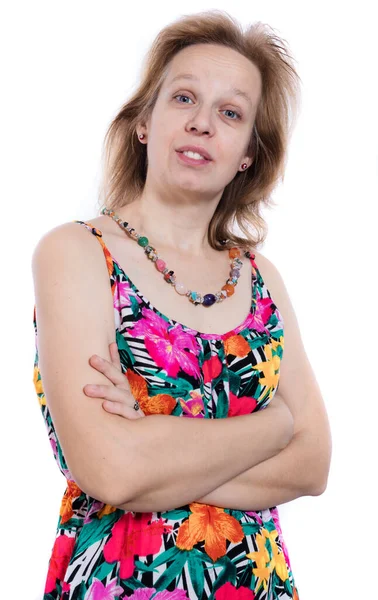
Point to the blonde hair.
(125, 166)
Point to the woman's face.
(199, 105)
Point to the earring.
(244, 166)
(141, 136)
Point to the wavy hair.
(125, 158)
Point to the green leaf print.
(288, 587)
(250, 528)
(172, 572)
(101, 572)
(142, 567)
(234, 381)
(195, 566)
(175, 515)
(94, 531)
(222, 405)
(166, 557)
(228, 573)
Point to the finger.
(118, 408)
(109, 370)
(115, 357)
(113, 394)
(117, 404)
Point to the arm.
(114, 459)
(302, 467)
(171, 469)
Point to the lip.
(197, 149)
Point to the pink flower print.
(211, 368)
(276, 520)
(147, 593)
(60, 558)
(255, 515)
(262, 314)
(230, 592)
(95, 508)
(241, 406)
(134, 535)
(193, 407)
(98, 591)
(168, 348)
(122, 295)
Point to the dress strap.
(98, 235)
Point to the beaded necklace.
(207, 299)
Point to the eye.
(182, 96)
(238, 115)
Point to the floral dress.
(196, 551)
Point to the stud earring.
(244, 166)
(141, 136)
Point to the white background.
(66, 70)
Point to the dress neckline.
(194, 332)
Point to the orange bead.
(234, 253)
(229, 289)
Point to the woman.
(165, 507)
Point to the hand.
(118, 397)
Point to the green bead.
(143, 241)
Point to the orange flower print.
(237, 345)
(211, 525)
(72, 491)
(162, 404)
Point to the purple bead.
(208, 299)
(235, 272)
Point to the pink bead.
(180, 289)
(160, 264)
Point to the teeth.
(193, 155)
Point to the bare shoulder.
(68, 263)
(71, 235)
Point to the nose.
(200, 122)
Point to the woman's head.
(207, 83)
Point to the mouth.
(189, 160)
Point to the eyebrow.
(235, 91)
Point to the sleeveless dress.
(197, 551)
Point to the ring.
(136, 405)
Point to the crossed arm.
(299, 469)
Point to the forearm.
(176, 460)
(288, 475)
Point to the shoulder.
(67, 241)
(68, 265)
